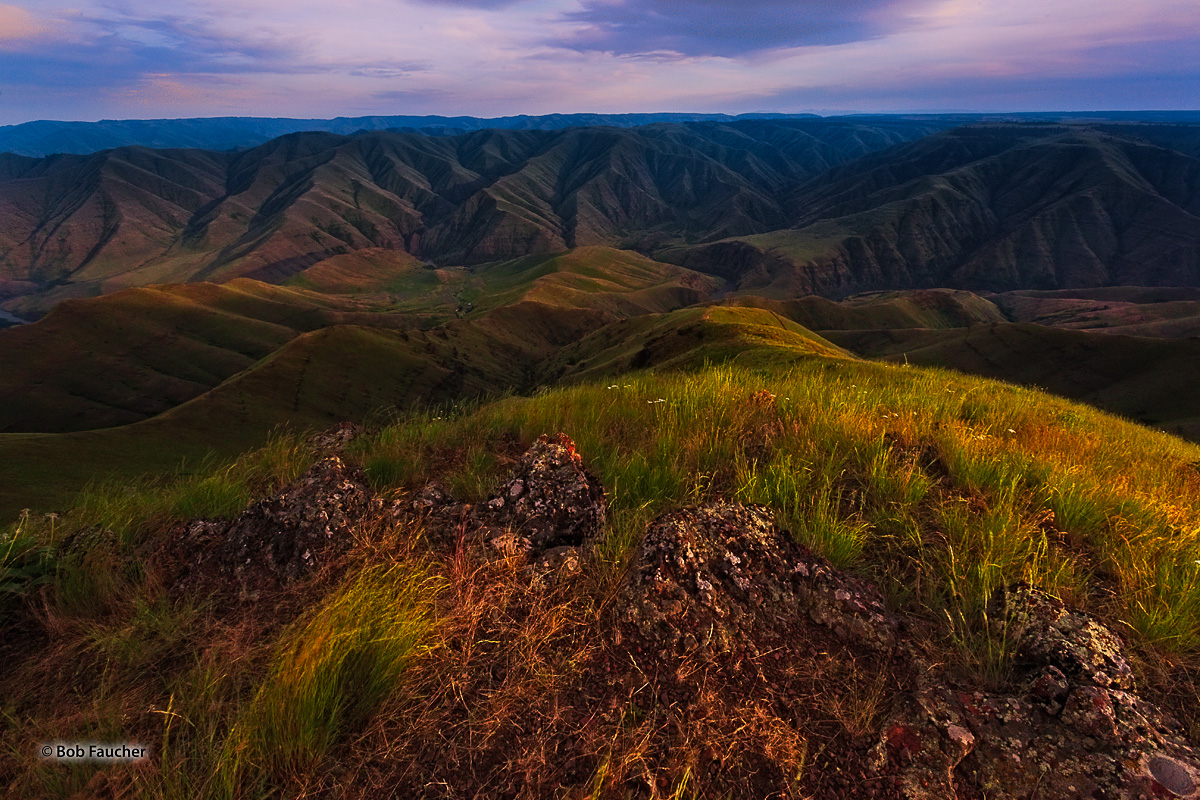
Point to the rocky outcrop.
(722, 582)
(277, 540)
(1074, 728)
(550, 501)
(721, 590)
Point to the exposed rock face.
(277, 540)
(1075, 729)
(722, 580)
(1049, 635)
(550, 501)
(333, 441)
(720, 590)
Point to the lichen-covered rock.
(278, 539)
(1047, 633)
(1075, 730)
(333, 441)
(723, 582)
(550, 499)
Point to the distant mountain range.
(774, 207)
(85, 225)
(45, 137)
(992, 207)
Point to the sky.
(119, 59)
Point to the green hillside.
(345, 372)
(619, 282)
(938, 487)
(1151, 380)
(128, 356)
(930, 308)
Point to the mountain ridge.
(79, 225)
(46, 137)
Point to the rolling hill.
(128, 356)
(350, 372)
(125, 357)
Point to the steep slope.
(987, 207)
(78, 225)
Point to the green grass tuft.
(329, 675)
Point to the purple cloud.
(728, 27)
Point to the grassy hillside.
(939, 486)
(346, 372)
(929, 308)
(618, 282)
(316, 379)
(126, 357)
(689, 338)
(1150, 380)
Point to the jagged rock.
(1076, 729)
(276, 540)
(551, 499)
(723, 582)
(432, 495)
(1047, 633)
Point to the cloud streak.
(722, 28)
